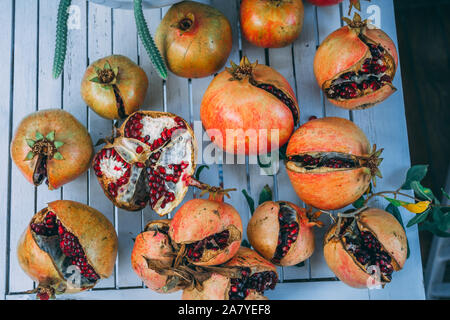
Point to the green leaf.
(396, 213)
(359, 203)
(265, 195)
(58, 144)
(50, 136)
(95, 79)
(245, 243)
(422, 193)
(58, 156)
(30, 143)
(415, 173)
(199, 170)
(250, 201)
(395, 202)
(421, 217)
(61, 38)
(432, 227)
(39, 136)
(30, 155)
(445, 193)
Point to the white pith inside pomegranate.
(67, 247)
(150, 161)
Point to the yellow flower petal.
(418, 207)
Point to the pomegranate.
(51, 145)
(209, 231)
(114, 87)
(150, 160)
(253, 275)
(366, 249)
(281, 232)
(355, 65)
(153, 246)
(67, 247)
(322, 3)
(330, 162)
(194, 39)
(249, 101)
(271, 23)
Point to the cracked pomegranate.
(330, 162)
(249, 109)
(209, 229)
(252, 277)
(114, 87)
(151, 160)
(68, 247)
(364, 251)
(281, 232)
(52, 146)
(355, 65)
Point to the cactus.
(61, 38)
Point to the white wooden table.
(26, 53)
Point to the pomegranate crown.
(372, 162)
(243, 70)
(357, 23)
(44, 145)
(106, 76)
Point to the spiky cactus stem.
(61, 38)
(147, 40)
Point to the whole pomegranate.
(330, 162)
(355, 65)
(251, 276)
(281, 232)
(249, 109)
(114, 87)
(322, 3)
(67, 247)
(365, 250)
(51, 145)
(209, 229)
(271, 23)
(194, 39)
(152, 255)
(150, 159)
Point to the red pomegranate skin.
(271, 24)
(322, 3)
(203, 48)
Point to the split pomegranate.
(271, 23)
(154, 246)
(114, 87)
(355, 65)
(194, 39)
(67, 247)
(51, 145)
(249, 109)
(151, 160)
(322, 3)
(281, 232)
(365, 250)
(330, 162)
(252, 277)
(209, 229)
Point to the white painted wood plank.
(385, 125)
(6, 15)
(76, 61)
(99, 46)
(24, 103)
(129, 223)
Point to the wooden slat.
(6, 15)
(385, 125)
(24, 102)
(99, 46)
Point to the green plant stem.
(61, 38)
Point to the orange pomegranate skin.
(203, 48)
(200, 218)
(342, 50)
(329, 190)
(389, 233)
(240, 107)
(132, 83)
(271, 24)
(77, 149)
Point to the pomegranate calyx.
(43, 292)
(357, 23)
(215, 193)
(106, 76)
(243, 70)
